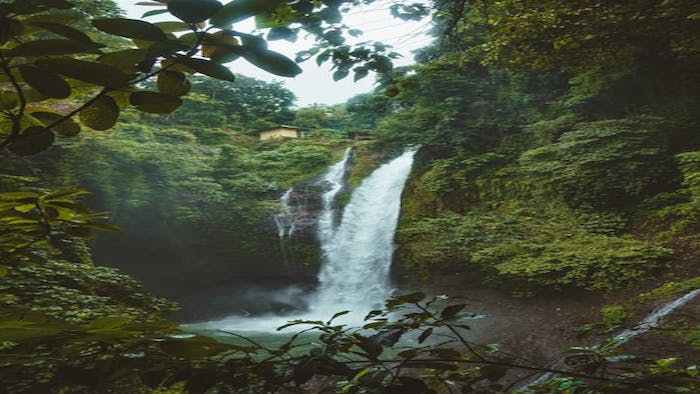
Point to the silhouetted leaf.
(67, 128)
(340, 74)
(194, 11)
(425, 335)
(374, 313)
(32, 141)
(222, 47)
(360, 72)
(155, 103)
(370, 347)
(126, 59)
(45, 82)
(91, 72)
(238, 10)
(65, 31)
(100, 115)
(252, 41)
(337, 315)
(388, 338)
(53, 47)
(8, 99)
(207, 67)
(272, 62)
(130, 28)
(451, 311)
(173, 83)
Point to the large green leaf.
(194, 11)
(8, 99)
(45, 82)
(53, 47)
(65, 31)
(173, 83)
(155, 103)
(100, 115)
(238, 10)
(222, 47)
(272, 62)
(91, 72)
(126, 59)
(130, 28)
(67, 128)
(32, 141)
(207, 67)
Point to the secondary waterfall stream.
(357, 252)
(650, 322)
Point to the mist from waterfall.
(356, 253)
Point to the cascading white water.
(285, 218)
(357, 253)
(355, 273)
(333, 180)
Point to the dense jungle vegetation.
(559, 154)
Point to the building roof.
(279, 127)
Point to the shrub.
(613, 316)
(612, 164)
(524, 247)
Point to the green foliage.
(613, 316)
(679, 212)
(554, 34)
(671, 289)
(518, 246)
(611, 164)
(33, 224)
(74, 292)
(549, 131)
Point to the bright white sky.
(315, 84)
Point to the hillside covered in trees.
(551, 201)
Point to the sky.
(315, 85)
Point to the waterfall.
(357, 255)
(654, 318)
(285, 218)
(333, 180)
(357, 252)
(651, 321)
